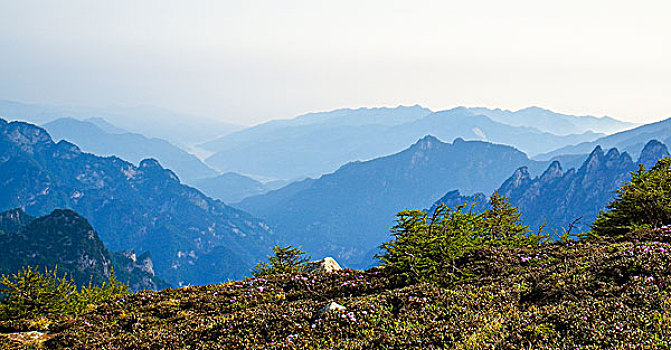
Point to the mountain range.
(558, 197)
(349, 212)
(192, 238)
(552, 122)
(180, 129)
(90, 137)
(318, 143)
(630, 141)
(66, 241)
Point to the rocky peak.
(66, 150)
(519, 176)
(653, 151)
(68, 146)
(150, 163)
(153, 168)
(594, 161)
(612, 155)
(554, 171)
(25, 135)
(519, 180)
(427, 142)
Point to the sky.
(250, 61)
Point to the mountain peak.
(427, 142)
(150, 163)
(652, 151)
(613, 154)
(594, 160)
(552, 172)
(68, 147)
(25, 135)
(534, 109)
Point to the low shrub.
(31, 294)
(287, 259)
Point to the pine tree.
(287, 259)
(502, 224)
(643, 202)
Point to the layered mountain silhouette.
(558, 197)
(552, 122)
(319, 143)
(180, 129)
(630, 141)
(349, 212)
(192, 238)
(89, 137)
(66, 241)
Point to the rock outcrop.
(330, 307)
(326, 265)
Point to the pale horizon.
(247, 63)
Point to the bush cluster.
(31, 293)
(287, 259)
(426, 245)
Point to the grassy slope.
(607, 294)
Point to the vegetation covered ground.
(595, 294)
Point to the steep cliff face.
(141, 208)
(136, 271)
(557, 197)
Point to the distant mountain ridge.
(64, 240)
(555, 123)
(348, 213)
(630, 141)
(89, 137)
(180, 129)
(318, 143)
(192, 238)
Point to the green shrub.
(425, 246)
(31, 293)
(502, 225)
(287, 259)
(643, 202)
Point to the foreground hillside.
(573, 295)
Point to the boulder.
(328, 264)
(330, 307)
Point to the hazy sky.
(247, 61)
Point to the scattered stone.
(332, 306)
(328, 264)
(24, 338)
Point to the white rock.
(328, 264)
(332, 306)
